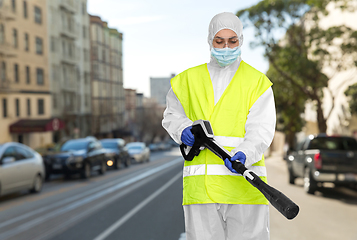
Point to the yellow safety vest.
(206, 179)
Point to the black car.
(324, 159)
(77, 156)
(116, 152)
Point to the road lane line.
(59, 203)
(36, 221)
(62, 202)
(127, 216)
(55, 230)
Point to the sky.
(162, 37)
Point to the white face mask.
(225, 56)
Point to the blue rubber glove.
(238, 156)
(187, 136)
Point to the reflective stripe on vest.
(217, 169)
(228, 141)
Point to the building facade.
(116, 79)
(108, 97)
(69, 46)
(130, 109)
(25, 99)
(159, 88)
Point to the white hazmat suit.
(227, 221)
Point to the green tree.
(298, 49)
(289, 104)
(351, 93)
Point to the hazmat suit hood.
(225, 20)
(221, 76)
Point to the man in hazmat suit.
(238, 101)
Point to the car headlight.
(76, 159)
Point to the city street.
(144, 202)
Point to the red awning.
(36, 125)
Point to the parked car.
(81, 155)
(116, 152)
(160, 146)
(322, 158)
(138, 152)
(21, 168)
(164, 146)
(153, 147)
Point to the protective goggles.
(219, 42)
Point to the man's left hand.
(238, 156)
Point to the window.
(95, 52)
(25, 9)
(14, 38)
(70, 50)
(39, 46)
(55, 70)
(53, 44)
(13, 5)
(27, 45)
(95, 70)
(3, 71)
(54, 100)
(41, 106)
(84, 31)
(16, 73)
(38, 15)
(28, 107)
(17, 106)
(21, 153)
(84, 8)
(2, 33)
(69, 24)
(86, 100)
(4, 107)
(63, 47)
(39, 73)
(9, 152)
(28, 75)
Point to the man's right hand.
(187, 136)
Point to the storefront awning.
(36, 125)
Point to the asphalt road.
(144, 202)
(139, 202)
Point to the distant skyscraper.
(159, 88)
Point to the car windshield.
(333, 143)
(74, 146)
(135, 146)
(110, 145)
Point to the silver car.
(21, 168)
(138, 152)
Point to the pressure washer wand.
(202, 131)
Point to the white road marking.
(54, 230)
(127, 216)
